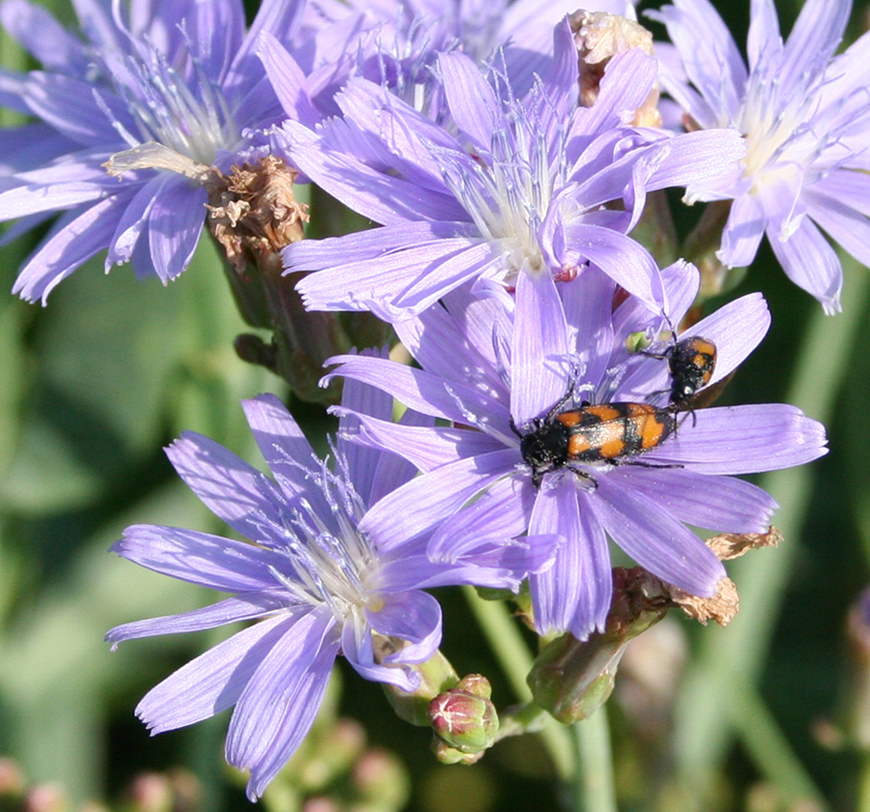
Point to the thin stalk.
(596, 789)
(771, 751)
(515, 661)
(863, 804)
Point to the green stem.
(705, 712)
(863, 804)
(772, 752)
(515, 661)
(595, 790)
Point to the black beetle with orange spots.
(613, 433)
(691, 362)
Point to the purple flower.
(397, 43)
(521, 189)
(312, 579)
(805, 116)
(162, 95)
(486, 372)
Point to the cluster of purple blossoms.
(486, 369)
(503, 257)
(396, 44)
(163, 94)
(804, 114)
(314, 580)
(517, 186)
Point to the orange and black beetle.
(613, 433)
(691, 362)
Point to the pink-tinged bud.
(466, 722)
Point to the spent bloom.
(518, 186)
(492, 376)
(804, 113)
(311, 578)
(159, 94)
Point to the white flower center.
(332, 565)
(508, 192)
(781, 139)
(178, 109)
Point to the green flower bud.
(572, 679)
(465, 720)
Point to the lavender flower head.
(805, 116)
(398, 42)
(314, 582)
(505, 372)
(521, 188)
(161, 95)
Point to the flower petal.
(499, 515)
(229, 610)
(425, 501)
(200, 558)
(744, 439)
(423, 391)
(278, 705)
(174, 225)
(574, 594)
(473, 105)
(720, 503)
(76, 237)
(247, 500)
(655, 539)
(426, 447)
(281, 442)
(810, 262)
(743, 232)
(212, 682)
(539, 348)
(411, 616)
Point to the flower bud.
(450, 755)
(572, 679)
(464, 718)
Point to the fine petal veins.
(314, 579)
(529, 478)
(796, 108)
